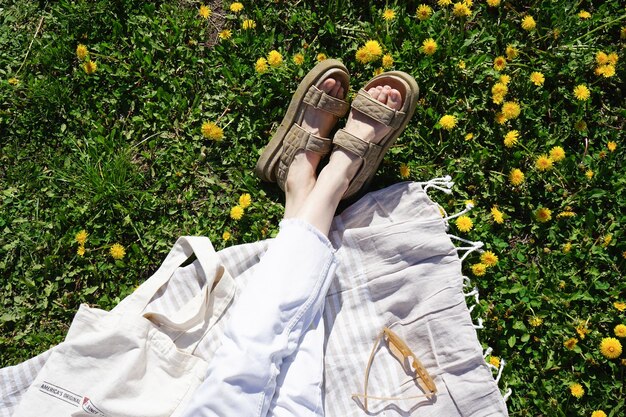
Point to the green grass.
(120, 154)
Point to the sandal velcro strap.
(323, 101)
(373, 108)
(296, 139)
(369, 152)
(357, 146)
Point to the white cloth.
(396, 267)
(280, 303)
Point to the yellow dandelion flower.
(543, 163)
(13, 81)
(582, 329)
(528, 23)
(261, 65)
(620, 330)
(80, 251)
(447, 121)
(499, 63)
(581, 92)
(620, 306)
(469, 202)
(464, 223)
(516, 177)
(81, 51)
(583, 14)
(602, 58)
(389, 15)
(537, 78)
(378, 71)
(612, 146)
(567, 247)
(511, 110)
(607, 71)
(489, 258)
(606, 240)
(81, 237)
(469, 136)
(479, 269)
(225, 34)
(321, 57)
(543, 214)
(236, 213)
(226, 236)
(613, 58)
(495, 361)
(511, 52)
(493, 3)
(405, 171)
(577, 390)
(598, 413)
(236, 7)
(274, 58)
(429, 46)
(589, 174)
(423, 12)
(248, 24)
(444, 3)
(570, 343)
(535, 321)
(565, 213)
(387, 61)
(557, 154)
(298, 59)
(461, 64)
(511, 138)
(497, 215)
(373, 48)
(504, 79)
(499, 118)
(245, 200)
(90, 67)
(498, 91)
(212, 131)
(117, 251)
(461, 10)
(468, 3)
(205, 12)
(610, 347)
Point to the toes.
(374, 92)
(335, 91)
(384, 94)
(394, 99)
(328, 85)
(341, 92)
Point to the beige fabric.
(120, 363)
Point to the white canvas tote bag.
(125, 362)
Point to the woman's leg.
(286, 294)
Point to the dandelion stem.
(599, 27)
(31, 42)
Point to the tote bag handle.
(212, 270)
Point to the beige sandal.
(273, 165)
(373, 153)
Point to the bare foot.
(301, 176)
(365, 128)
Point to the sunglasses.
(411, 365)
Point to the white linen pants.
(275, 324)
